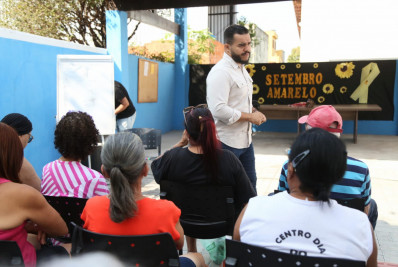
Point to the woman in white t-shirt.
(306, 222)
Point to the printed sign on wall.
(326, 83)
(353, 82)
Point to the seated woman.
(306, 220)
(203, 161)
(126, 211)
(75, 138)
(20, 203)
(24, 128)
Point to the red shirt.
(152, 217)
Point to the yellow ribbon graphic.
(369, 73)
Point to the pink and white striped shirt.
(72, 179)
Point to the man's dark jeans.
(246, 157)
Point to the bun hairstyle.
(11, 153)
(324, 165)
(123, 158)
(202, 131)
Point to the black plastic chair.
(207, 211)
(10, 254)
(70, 209)
(240, 254)
(151, 138)
(138, 250)
(355, 203)
(95, 159)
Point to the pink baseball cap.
(323, 117)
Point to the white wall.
(349, 29)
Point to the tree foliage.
(199, 44)
(294, 56)
(243, 21)
(79, 21)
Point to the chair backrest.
(94, 158)
(242, 254)
(207, 211)
(139, 250)
(10, 254)
(151, 138)
(356, 203)
(70, 209)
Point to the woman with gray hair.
(126, 211)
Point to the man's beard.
(237, 58)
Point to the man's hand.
(257, 118)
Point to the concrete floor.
(380, 153)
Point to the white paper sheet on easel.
(86, 83)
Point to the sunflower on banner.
(250, 69)
(344, 70)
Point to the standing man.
(229, 97)
(124, 109)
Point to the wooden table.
(347, 112)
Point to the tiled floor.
(379, 152)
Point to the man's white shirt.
(229, 92)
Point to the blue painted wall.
(28, 76)
(154, 115)
(181, 68)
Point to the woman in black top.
(203, 161)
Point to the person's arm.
(180, 241)
(283, 185)
(236, 235)
(124, 103)
(27, 175)
(372, 261)
(218, 84)
(41, 213)
(366, 191)
(256, 117)
(160, 166)
(183, 141)
(243, 187)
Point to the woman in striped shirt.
(75, 138)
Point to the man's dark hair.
(323, 166)
(233, 29)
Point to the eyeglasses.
(30, 138)
(187, 110)
(297, 159)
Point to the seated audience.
(306, 221)
(22, 208)
(75, 138)
(203, 161)
(126, 211)
(356, 179)
(24, 128)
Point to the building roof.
(127, 5)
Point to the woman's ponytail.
(123, 157)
